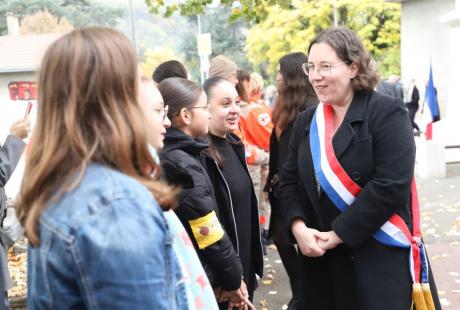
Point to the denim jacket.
(104, 245)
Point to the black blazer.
(279, 150)
(375, 146)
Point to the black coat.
(415, 97)
(223, 198)
(279, 150)
(375, 146)
(181, 166)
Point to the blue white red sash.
(342, 191)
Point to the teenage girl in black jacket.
(197, 210)
(231, 180)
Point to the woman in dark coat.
(237, 202)
(295, 94)
(366, 142)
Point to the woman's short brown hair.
(349, 47)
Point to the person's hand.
(238, 298)
(244, 291)
(217, 291)
(265, 196)
(307, 239)
(20, 129)
(329, 240)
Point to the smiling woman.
(198, 207)
(232, 183)
(347, 179)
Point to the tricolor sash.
(342, 191)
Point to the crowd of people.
(160, 193)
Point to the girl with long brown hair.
(88, 202)
(295, 95)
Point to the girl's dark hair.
(349, 48)
(242, 77)
(295, 93)
(169, 69)
(179, 93)
(208, 86)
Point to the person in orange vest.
(255, 125)
(255, 115)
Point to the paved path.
(440, 210)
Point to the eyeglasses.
(162, 111)
(323, 69)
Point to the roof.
(23, 53)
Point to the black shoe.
(296, 301)
(265, 239)
(264, 249)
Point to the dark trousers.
(412, 112)
(4, 278)
(292, 262)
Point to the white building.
(430, 32)
(20, 57)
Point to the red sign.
(23, 91)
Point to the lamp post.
(204, 50)
(336, 21)
(132, 24)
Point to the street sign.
(204, 44)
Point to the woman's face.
(233, 78)
(156, 113)
(200, 117)
(333, 84)
(246, 87)
(279, 79)
(224, 108)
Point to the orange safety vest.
(253, 154)
(257, 125)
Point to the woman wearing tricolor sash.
(347, 189)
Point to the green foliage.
(78, 12)
(227, 38)
(250, 10)
(289, 30)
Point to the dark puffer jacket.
(180, 163)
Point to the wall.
(11, 110)
(423, 36)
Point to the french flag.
(431, 102)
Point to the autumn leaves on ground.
(440, 206)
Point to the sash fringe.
(418, 298)
(428, 296)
